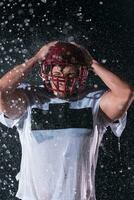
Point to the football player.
(61, 124)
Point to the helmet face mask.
(65, 56)
(61, 84)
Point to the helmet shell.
(65, 54)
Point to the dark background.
(106, 29)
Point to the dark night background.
(106, 29)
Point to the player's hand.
(41, 54)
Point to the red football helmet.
(64, 54)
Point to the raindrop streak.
(44, 1)
(119, 145)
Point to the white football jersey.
(60, 141)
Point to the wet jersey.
(60, 141)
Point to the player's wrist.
(30, 62)
(91, 66)
(36, 58)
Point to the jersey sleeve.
(10, 123)
(35, 96)
(117, 126)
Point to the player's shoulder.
(93, 97)
(35, 89)
(95, 93)
(29, 87)
(35, 93)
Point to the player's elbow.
(129, 95)
(127, 100)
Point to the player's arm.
(14, 104)
(116, 101)
(13, 101)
